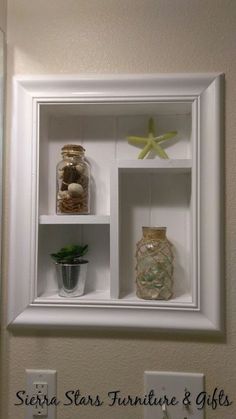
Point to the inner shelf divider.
(155, 164)
(74, 219)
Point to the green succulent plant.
(71, 254)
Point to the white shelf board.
(91, 298)
(180, 300)
(160, 107)
(74, 219)
(103, 297)
(156, 164)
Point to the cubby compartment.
(52, 237)
(146, 197)
(95, 135)
(156, 199)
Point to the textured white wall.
(3, 15)
(126, 36)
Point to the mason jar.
(154, 265)
(73, 181)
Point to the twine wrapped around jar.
(154, 267)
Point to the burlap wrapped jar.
(154, 265)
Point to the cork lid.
(73, 149)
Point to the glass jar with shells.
(73, 181)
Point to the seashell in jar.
(75, 189)
(80, 168)
(63, 195)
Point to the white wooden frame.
(206, 311)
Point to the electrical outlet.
(173, 386)
(41, 389)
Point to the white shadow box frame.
(100, 111)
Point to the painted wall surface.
(3, 15)
(125, 36)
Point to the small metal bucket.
(71, 278)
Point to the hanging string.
(149, 199)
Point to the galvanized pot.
(71, 278)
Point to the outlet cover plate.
(173, 385)
(41, 376)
